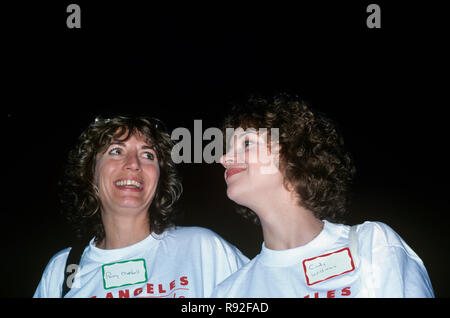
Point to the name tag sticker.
(124, 273)
(323, 267)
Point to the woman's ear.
(275, 153)
(275, 147)
(273, 164)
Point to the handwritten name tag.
(124, 273)
(323, 267)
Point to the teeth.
(122, 183)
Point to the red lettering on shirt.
(124, 293)
(160, 289)
(331, 293)
(184, 280)
(346, 291)
(137, 291)
(149, 290)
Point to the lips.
(232, 171)
(131, 184)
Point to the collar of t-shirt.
(97, 254)
(327, 238)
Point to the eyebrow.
(240, 136)
(122, 144)
(247, 133)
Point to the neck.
(286, 224)
(123, 230)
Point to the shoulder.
(393, 263)
(379, 234)
(59, 259)
(193, 233)
(382, 245)
(52, 278)
(199, 236)
(205, 240)
(236, 283)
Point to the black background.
(178, 62)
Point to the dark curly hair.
(79, 195)
(312, 157)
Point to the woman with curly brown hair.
(120, 188)
(292, 177)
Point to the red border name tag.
(326, 266)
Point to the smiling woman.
(126, 176)
(299, 203)
(104, 144)
(120, 188)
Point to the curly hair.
(312, 158)
(79, 195)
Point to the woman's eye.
(115, 151)
(149, 155)
(247, 143)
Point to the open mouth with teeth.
(129, 184)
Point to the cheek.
(265, 177)
(104, 170)
(98, 172)
(152, 174)
(257, 155)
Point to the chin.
(130, 203)
(237, 195)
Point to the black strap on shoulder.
(71, 268)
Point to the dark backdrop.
(181, 63)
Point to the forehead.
(124, 136)
(239, 133)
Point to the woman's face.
(251, 169)
(127, 175)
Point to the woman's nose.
(132, 162)
(227, 159)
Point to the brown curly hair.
(79, 196)
(312, 157)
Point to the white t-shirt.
(325, 268)
(181, 262)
